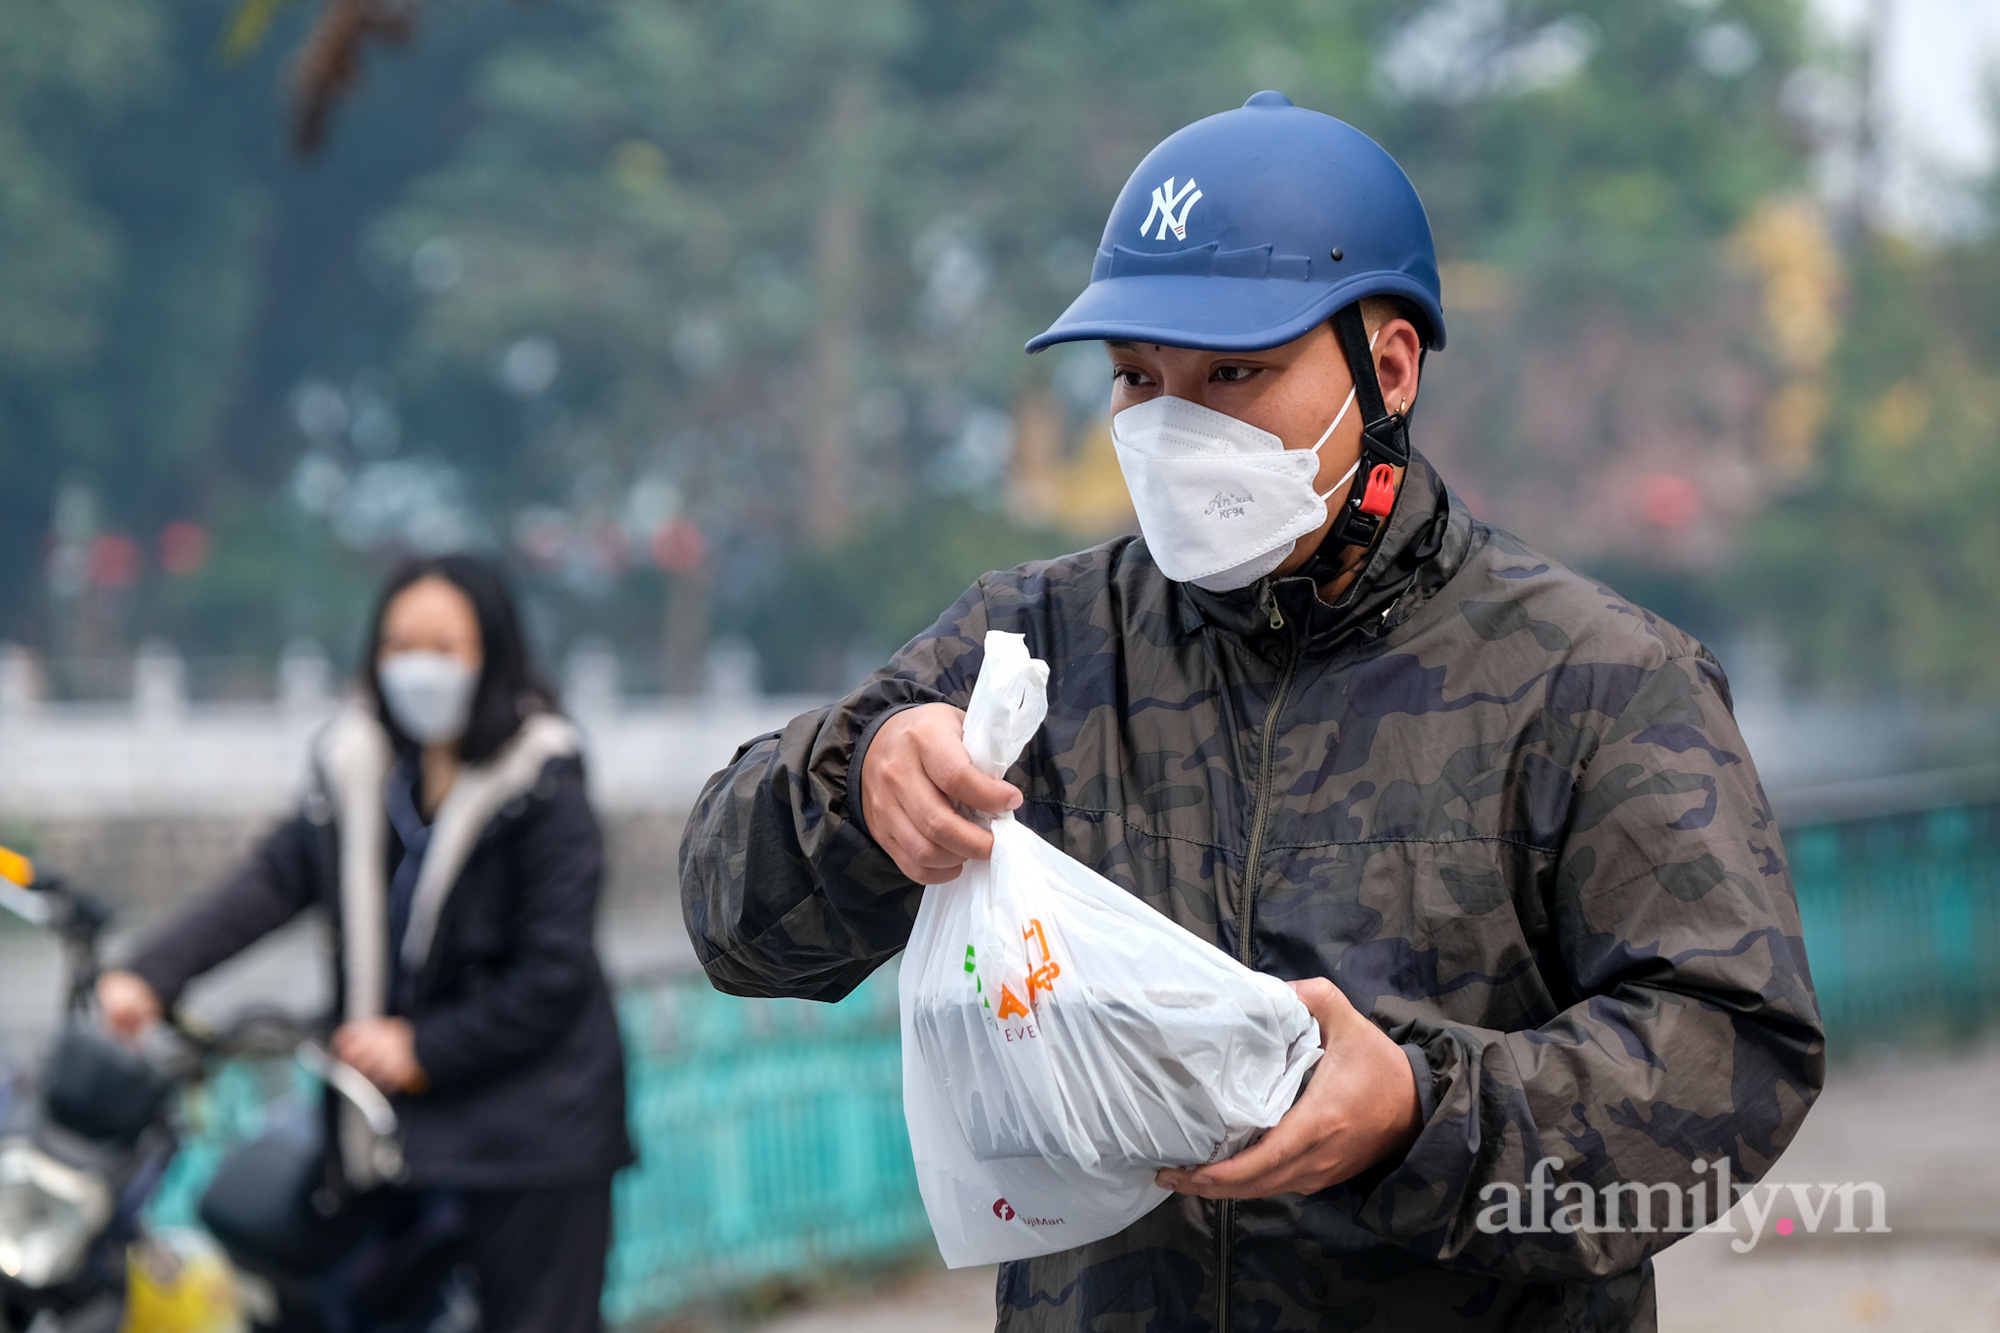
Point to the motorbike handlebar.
(44, 900)
(16, 868)
(351, 1084)
(258, 1033)
(385, 1152)
(271, 1033)
(30, 905)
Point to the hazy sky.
(1940, 53)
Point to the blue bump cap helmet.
(1224, 238)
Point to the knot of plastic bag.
(1009, 701)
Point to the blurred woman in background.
(447, 835)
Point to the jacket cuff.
(1420, 1066)
(860, 759)
(166, 982)
(435, 1057)
(1414, 1200)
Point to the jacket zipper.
(1246, 918)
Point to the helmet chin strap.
(1385, 446)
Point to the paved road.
(1921, 1125)
(1918, 1124)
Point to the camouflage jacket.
(1506, 811)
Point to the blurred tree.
(167, 281)
(838, 611)
(65, 73)
(786, 258)
(1884, 570)
(711, 315)
(1587, 167)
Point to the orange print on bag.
(1043, 977)
(1010, 1004)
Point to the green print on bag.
(972, 967)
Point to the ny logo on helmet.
(1165, 201)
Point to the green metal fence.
(771, 1140)
(771, 1133)
(770, 1137)
(1902, 920)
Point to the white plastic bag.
(1062, 1040)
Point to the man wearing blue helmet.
(1495, 823)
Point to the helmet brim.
(1212, 314)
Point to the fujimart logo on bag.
(1040, 977)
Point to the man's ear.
(1398, 362)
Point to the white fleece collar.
(355, 757)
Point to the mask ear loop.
(1339, 417)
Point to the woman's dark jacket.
(514, 1022)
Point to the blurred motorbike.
(83, 1151)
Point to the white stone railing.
(157, 753)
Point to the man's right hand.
(916, 768)
(129, 1006)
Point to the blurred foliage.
(167, 276)
(1885, 569)
(867, 595)
(615, 285)
(66, 72)
(1618, 181)
(1580, 152)
(271, 580)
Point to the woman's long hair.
(509, 689)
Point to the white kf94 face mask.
(1221, 502)
(429, 695)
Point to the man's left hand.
(384, 1049)
(1360, 1106)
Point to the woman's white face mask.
(1221, 503)
(429, 694)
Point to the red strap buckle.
(1380, 497)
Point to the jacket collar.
(1421, 547)
(354, 758)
